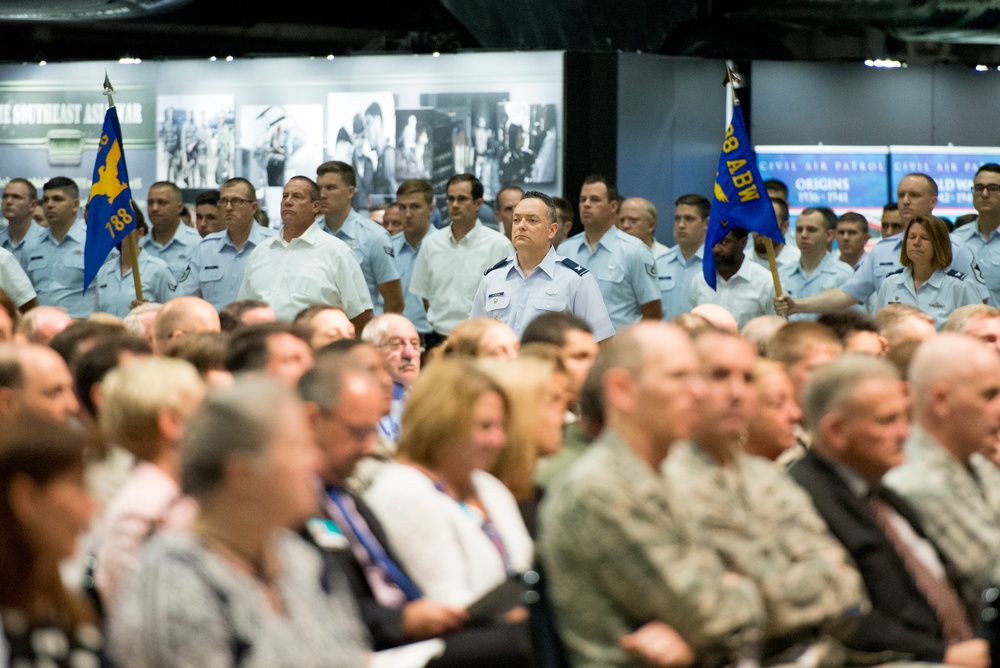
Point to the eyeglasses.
(397, 345)
(993, 188)
(359, 433)
(235, 201)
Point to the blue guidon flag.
(110, 217)
(740, 197)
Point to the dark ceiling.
(915, 31)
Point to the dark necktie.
(939, 593)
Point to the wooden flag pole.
(732, 81)
(133, 247)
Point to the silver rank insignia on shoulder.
(550, 293)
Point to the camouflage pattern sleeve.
(761, 524)
(616, 559)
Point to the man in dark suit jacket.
(856, 408)
(344, 403)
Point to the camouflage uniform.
(617, 557)
(764, 526)
(953, 512)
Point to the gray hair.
(835, 384)
(240, 421)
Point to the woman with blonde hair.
(537, 386)
(456, 528)
(146, 406)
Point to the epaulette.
(957, 274)
(893, 273)
(502, 263)
(580, 269)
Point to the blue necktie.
(368, 541)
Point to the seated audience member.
(925, 281)
(206, 352)
(42, 323)
(479, 337)
(9, 317)
(536, 387)
(756, 519)
(857, 331)
(774, 421)
(899, 323)
(455, 527)
(344, 405)
(620, 560)
(760, 330)
(577, 348)
(245, 312)
(180, 316)
(146, 405)
(980, 321)
(955, 387)
(35, 380)
(856, 408)
(81, 336)
(140, 320)
(397, 340)
(718, 316)
(693, 324)
(238, 588)
(802, 347)
(325, 324)
(43, 508)
(275, 349)
(93, 365)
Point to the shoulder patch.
(956, 274)
(977, 272)
(893, 273)
(389, 251)
(578, 268)
(502, 263)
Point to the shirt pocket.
(211, 274)
(69, 272)
(549, 304)
(667, 283)
(497, 306)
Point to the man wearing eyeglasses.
(981, 236)
(397, 339)
(217, 265)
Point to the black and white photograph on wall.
(414, 148)
(194, 139)
(279, 141)
(472, 144)
(530, 143)
(366, 123)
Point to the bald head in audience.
(180, 316)
(35, 379)
(41, 324)
(718, 316)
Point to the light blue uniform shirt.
(406, 257)
(115, 293)
(34, 230)
(177, 252)
(884, 260)
(829, 273)
(373, 248)
(986, 252)
(940, 294)
(56, 270)
(217, 266)
(557, 285)
(674, 274)
(624, 269)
